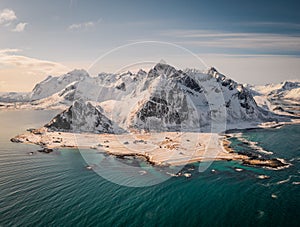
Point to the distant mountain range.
(163, 99)
(283, 98)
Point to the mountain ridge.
(162, 99)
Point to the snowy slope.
(286, 89)
(163, 99)
(52, 85)
(281, 98)
(14, 97)
(170, 99)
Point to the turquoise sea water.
(57, 190)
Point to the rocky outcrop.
(81, 117)
(272, 163)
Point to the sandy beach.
(165, 148)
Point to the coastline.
(160, 149)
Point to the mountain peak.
(51, 85)
(78, 73)
(163, 66)
(83, 117)
(162, 69)
(287, 85)
(212, 71)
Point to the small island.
(166, 116)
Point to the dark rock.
(15, 140)
(278, 108)
(190, 83)
(273, 163)
(121, 86)
(82, 117)
(46, 150)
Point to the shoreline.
(160, 149)
(265, 125)
(165, 148)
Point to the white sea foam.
(252, 144)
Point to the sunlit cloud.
(20, 27)
(8, 51)
(7, 16)
(8, 58)
(21, 73)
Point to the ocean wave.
(288, 179)
(284, 181)
(281, 181)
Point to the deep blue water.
(57, 190)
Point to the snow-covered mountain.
(14, 97)
(164, 98)
(52, 85)
(281, 98)
(82, 117)
(170, 99)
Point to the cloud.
(258, 41)
(270, 24)
(21, 73)
(7, 16)
(19, 27)
(81, 25)
(8, 51)
(8, 58)
(84, 25)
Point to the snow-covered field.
(165, 148)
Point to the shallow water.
(56, 189)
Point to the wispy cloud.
(20, 27)
(83, 26)
(8, 51)
(10, 58)
(271, 24)
(206, 38)
(21, 73)
(8, 18)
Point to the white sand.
(166, 148)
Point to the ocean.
(57, 189)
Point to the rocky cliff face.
(190, 100)
(81, 117)
(162, 99)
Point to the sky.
(254, 42)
